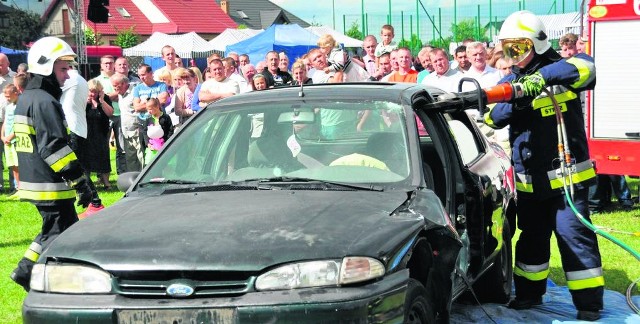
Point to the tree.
(26, 27)
(469, 29)
(354, 31)
(414, 45)
(127, 37)
(91, 38)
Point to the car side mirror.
(125, 180)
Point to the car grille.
(156, 286)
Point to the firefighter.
(541, 206)
(51, 175)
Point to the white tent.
(339, 37)
(231, 36)
(189, 45)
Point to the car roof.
(397, 92)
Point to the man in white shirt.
(442, 77)
(479, 70)
(230, 72)
(133, 149)
(218, 87)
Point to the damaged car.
(370, 202)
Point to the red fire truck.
(613, 108)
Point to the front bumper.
(377, 302)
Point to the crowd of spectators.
(122, 104)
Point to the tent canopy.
(189, 45)
(231, 36)
(292, 39)
(343, 39)
(11, 51)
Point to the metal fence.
(431, 23)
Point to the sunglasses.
(517, 49)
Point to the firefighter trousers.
(578, 246)
(56, 219)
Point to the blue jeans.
(600, 193)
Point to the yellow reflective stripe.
(533, 276)
(524, 187)
(31, 255)
(585, 283)
(575, 177)
(24, 128)
(541, 102)
(586, 71)
(47, 195)
(58, 165)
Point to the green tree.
(354, 31)
(469, 29)
(25, 27)
(414, 44)
(127, 37)
(242, 26)
(92, 38)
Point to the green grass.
(20, 222)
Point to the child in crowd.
(339, 60)
(387, 44)
(159, 129)
(259, 82)
(7, 134)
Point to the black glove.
(84, 193)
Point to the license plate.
(169, 316)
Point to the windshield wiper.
(285, 179)
(167, 181)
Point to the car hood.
(239, 230)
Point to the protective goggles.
(517, 49)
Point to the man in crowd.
(133, 149)
(248, 71)
(405, 73)
(384, 67)
(169, 58)
(122, 67)
(442, 77)
(393, 59)
(243, 60)
(568, 46)
(75, 92)
(272, 73)
(218, 87)
(478, 69)
(230, 73)
(461, 59)
(425, 61)
(50, 173)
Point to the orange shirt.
(410, 77)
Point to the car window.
(351, 141)
(465, 140)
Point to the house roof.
(260, 14)
(4, 8)
(167, 16)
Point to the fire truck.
(613, 108)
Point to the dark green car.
(333, 203)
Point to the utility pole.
(81, 45)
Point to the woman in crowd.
(184, 94)
(98, 111)
(299, 71)
(259, 82)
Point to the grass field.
(20, 222)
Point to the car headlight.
(70, 279)
(321, 273)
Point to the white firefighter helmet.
(525, 24)
(45, 51)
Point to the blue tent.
(292, 39)
(10, 51)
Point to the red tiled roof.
(200, 16)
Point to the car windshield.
(345, 142)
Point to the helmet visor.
(517, 49)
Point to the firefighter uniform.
(50, 174)
(541, 205)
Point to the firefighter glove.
(532, 85)
(84, 193)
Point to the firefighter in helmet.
(541, 206)
(51, 176)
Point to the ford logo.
(179, 290)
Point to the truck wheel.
(417, 306)
(495, 285)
